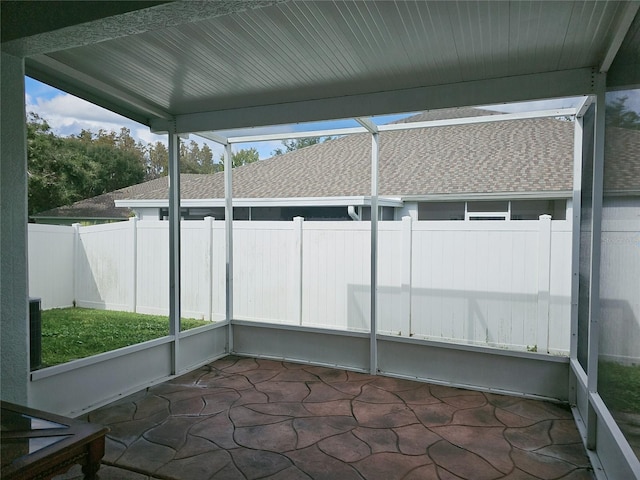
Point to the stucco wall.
(14, 308)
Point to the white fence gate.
(496, 283)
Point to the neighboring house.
(512, 170)
(100, 209)
(622, 174)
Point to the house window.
(310, 213)
(199, 213)
(441, 210)
(487, 210)
(492, 210)
(384, 213)
(532, 209)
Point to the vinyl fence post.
(405, 289)
(297, 266)
(76, 261)
(208, 228)
(544, 282)
(134, 263)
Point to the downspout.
(351, 210)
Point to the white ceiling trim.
(626, 19)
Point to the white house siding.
(147, 213)
(408, 209)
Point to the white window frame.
(475, 216)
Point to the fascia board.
(449, 197)
(264, 202)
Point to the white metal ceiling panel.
(299, 51)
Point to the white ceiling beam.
(626, 19)
(213, 136)
(501, 117)
(368, 124)
(267, 137)
(564, 83)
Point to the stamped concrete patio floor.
(245, 418)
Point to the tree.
(157, 164)
(114, 169)
(64, 170)
(291, 145)
(619, 115)
(54, 170)
(244, 156)
(194, 159)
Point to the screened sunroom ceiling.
(211, 65)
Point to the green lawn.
(72, 333)
(619, 386)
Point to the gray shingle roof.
(513, 156)
(518, 156)
(622, 165)
(101, 207)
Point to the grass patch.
(73, 333)
(619, 386)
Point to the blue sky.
(68, 115)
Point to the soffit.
(284, 52)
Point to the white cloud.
(63, 111)
(68, 115)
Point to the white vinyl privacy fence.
(498, 283)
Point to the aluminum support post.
(174, 247)
(228, 228)
(373, 354)
(576, 202)
(596, 233)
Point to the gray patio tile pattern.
(246, 419)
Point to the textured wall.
(13, 234)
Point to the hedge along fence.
(499, 283)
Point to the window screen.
(441, 211)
